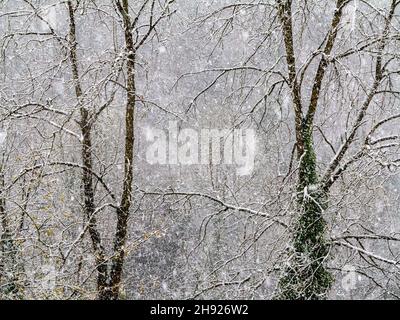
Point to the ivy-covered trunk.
(305, 276)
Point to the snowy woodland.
(88, 86)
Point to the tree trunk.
(305, 276)
(126, 199)
(86, 153)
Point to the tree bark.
(86, 154)
(126, 198)
(305, 277)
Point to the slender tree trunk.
(86, 153)
(108, 281)
(126, 199)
